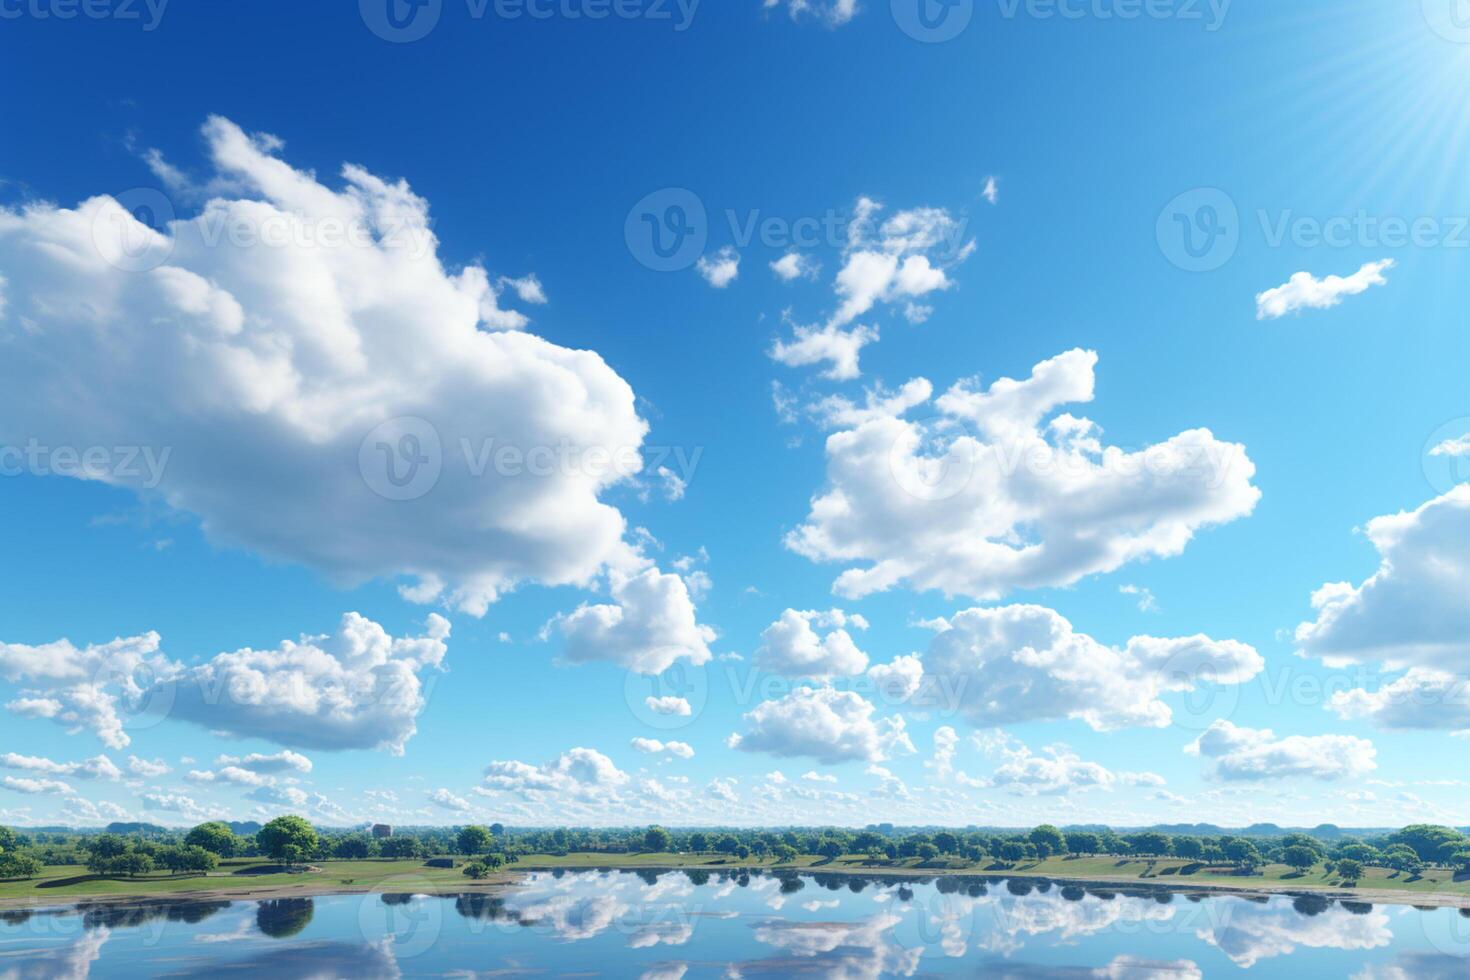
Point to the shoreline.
(1121, 885)
(257, 893)
(509, 879)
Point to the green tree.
(1402, 857)
(1349, 869)
(353, 847)
(104, 850)
(1428, 840)
(477, 870)
(187, 857)
(1150, 844)
(1012, 851)
(727, 844)
(1362, 853)
(400, 847)
(698, 842)
(214, 837)
(784, 853)
(928, 851)
(830, 848)
(1048, 840)
(15, 865)
(947, 842)
(287, 839)
(1083, 842)
(473, 839)
(1189, 847)
(131, 864)
(656, 840)
(1299, 856)
(1242, 853)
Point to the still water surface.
(678, 924)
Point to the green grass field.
(60, 885)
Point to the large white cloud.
(88, 688)
(1412, 611)
(278, 351)
(1411, 615)
(579, 771)
(277, 762)
(986, 497)
(651, 625)
(358, 688)
(823, 723)
(1305, 291)
(1025, 663)
(97, 767)
(1418, 699)
(1055, 770)
(792, 647)
(1257, 754)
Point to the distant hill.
(127, 827)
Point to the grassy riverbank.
(243, 879)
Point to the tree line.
(292, 840)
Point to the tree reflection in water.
(282, 918)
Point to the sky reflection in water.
(676, 924)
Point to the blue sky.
(1037, 174)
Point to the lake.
(663, 926)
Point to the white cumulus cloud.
(1258, 754)
(721, 269)
(826, 724)
(358, 688)
(1305, 291)
(651, 625)
(315, 371)
(988, 498)
(792, 647)
(1025, 663)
